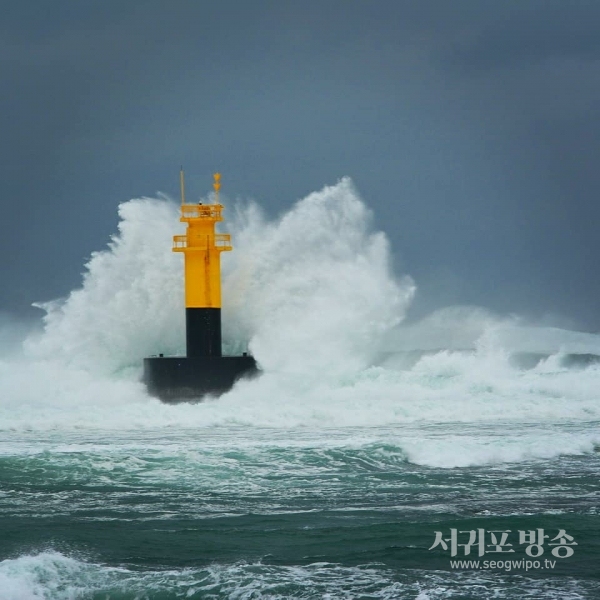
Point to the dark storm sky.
(471, 128)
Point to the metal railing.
(222, 241)
(201, 211)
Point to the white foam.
(316, 285)
(314, 295)
(129, 305)
(40, 577)
(52, 576)
(466, 451)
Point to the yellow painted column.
(202, 248)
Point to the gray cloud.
(469, 127)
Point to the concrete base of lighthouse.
(187, 379)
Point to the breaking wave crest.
(53, 576)
(314, 297)
(310, 292)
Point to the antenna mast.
(217, 186)
(182, 186)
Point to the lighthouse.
(202, 247)
(204, 370)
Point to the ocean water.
(328, 476)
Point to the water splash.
(312, 291)
(314, 296)
(129, 304)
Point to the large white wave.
(314, 296)
(129, 305)
(311, 292)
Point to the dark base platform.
(187, 379)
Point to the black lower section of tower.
(204, 371)
(203, 331)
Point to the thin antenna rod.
(182, 186)
(217, 186)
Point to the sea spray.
(314, 296)
(311, 291)
(130, 302)
(314, 290)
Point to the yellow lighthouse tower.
(202, 247)
(203, 370)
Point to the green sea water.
(237, 512)
(342, 472)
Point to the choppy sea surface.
(336, 474)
